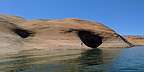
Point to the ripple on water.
(130, 60)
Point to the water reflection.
(91, 57)
(91, 60)
(17, 64)
(58, 61)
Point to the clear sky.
(124, 16)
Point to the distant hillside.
(135, 39)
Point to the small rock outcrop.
(59, 33)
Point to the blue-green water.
(95, 60)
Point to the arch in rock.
(22, 32)
(89, 38)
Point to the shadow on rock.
(89, 38)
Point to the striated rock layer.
(71, 33)
(9, 40)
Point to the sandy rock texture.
(16, 33)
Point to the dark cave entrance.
(90, 39)
(22, 33)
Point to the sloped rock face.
(70, 33)
(9, 40)
(11, 19)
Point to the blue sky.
(124, 16)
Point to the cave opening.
(22, 32)
(89, 38)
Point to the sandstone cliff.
(9, 40)
(18, 33)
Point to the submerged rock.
(67, 33)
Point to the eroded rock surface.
(9, 40)
(69, 33)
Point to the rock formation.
(136, 40)
(9, 40)
(70, 33)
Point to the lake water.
(95, 60)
